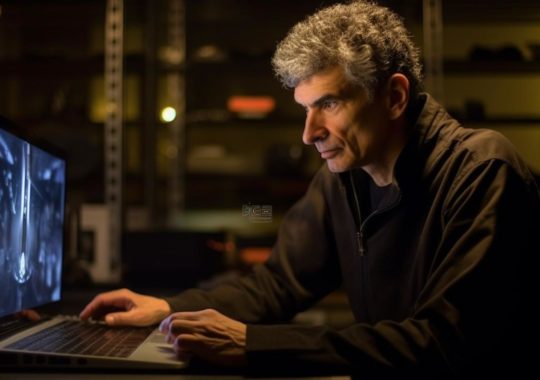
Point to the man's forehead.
(328, 83)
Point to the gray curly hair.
(368, 41)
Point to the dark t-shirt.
(378, 195)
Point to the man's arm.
(303, 268)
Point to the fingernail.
(109, 319)
(162, 327)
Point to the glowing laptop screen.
(32, 191)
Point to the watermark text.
(257, 213)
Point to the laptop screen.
(32, 191)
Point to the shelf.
(236, 62)
(60, 66)
(491, 67)
(490, 11)
(530, 121)
(271, 121)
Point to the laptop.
(32, 201)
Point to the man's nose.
(314, 129)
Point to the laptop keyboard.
(13, 326)
(76, 337)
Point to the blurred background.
(184, 151)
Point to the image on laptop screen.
(32, 190)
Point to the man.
(430, 228)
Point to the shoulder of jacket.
(483, 145)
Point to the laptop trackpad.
(155, 348)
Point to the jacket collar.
(424, 133)
(424, 117)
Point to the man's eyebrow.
(318, 102)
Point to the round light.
(168, 114)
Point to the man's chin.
(335, 167)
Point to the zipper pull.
(360, 244)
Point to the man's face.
(347, 129)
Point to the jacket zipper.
(361, 249)
(360, 246)
(360, 243)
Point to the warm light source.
(168, 114)
(251, 106)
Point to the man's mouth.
(329, 153)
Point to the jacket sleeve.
(302, 268)
(475, 308)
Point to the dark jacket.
(440, 278)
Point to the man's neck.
(381, 176)
(382, 170)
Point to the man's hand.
(124, 307)
(28, 315)
(208, 335)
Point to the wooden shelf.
(533, 122)
(73, 67)
(491, 67)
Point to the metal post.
(150, 105)
(114, 26)
(433, 47)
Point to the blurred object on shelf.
(507, 53)
(209, 53)
(93, 243)
(254, 249)
(534, 48)
(254, 255)
(251, 107)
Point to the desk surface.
(119, 376)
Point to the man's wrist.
(164, 308)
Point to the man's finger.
(180, 327)
(182, 316)
(90, 309)
(121, 318)
(28, 314)
(187, 315)
(164, 325)
(103, 301)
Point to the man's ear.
(398, 95)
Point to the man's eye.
(329, 104)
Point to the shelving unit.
(492, 77)
(50, 80)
